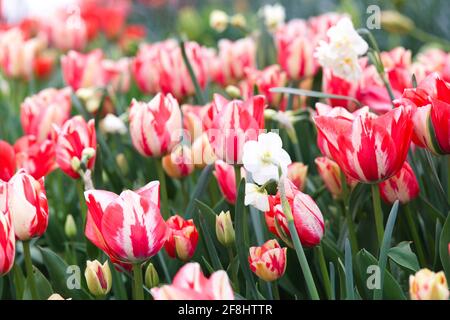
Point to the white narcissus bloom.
(263, 158)
(273, 16)
(341, 53)
(257, 197)
(113, 124)
(218, 20)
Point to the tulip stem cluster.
(29, 269)
(378, 213)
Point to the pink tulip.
(7, 161)
(7, 237)
(83, 70)
(403, 186)
(268, 261)
(181, 239)
(226, 179)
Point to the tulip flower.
(190, 284)
(273, 15)
(431, 105)
(193, 119)
(403, 186)
(218, 20)
(179, 163)
(127, 227)
(330, 173)
(308, 219)
(7, 161)
(297, 174)
(98, 278)
(268, 261)
(368, 148)
(37, 158)
(224, 229)
(202, 152)
(27, 202)
(7, 237)
(66, 30)
(427, 285)
(76, 143)
(155, 126)
(40, 112)
(226, 179)
(182, 237)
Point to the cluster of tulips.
(236, 164)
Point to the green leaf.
(404, 256)
(332, 281)
(349, 271)
(444, 243)
(44, 288)
(314, 94)
(199, 190)
(378, 293)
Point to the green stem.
(138, 283)
(29, 269)
(348, 216)
(198, 90)
(275, 291)
(378, 213)
(81, 199)
(415, 236)
(233, 270)
(426, 37)
(292, 134)
(163, 189)
(324, 271)
(237, 175)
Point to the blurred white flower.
(262, 158)
(273, 16)
(256, 196)
(218, 20)
(113, 124)
(341, 53)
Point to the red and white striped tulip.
(234, 123)
(226, 180)
(190, 284)
(28, 205)
(40, 112)
(182, 238)
(7, 236)
(155, 126)
(428, 285)
(202, 152)
(330, 173)
(75, 138)
(118, 73)
(368, 148)
(308, 219)
(268, 261)
(232, 59)
(7, 161)
(179, 163)
(297, 172)
(83, 70)
(403, 186)
(127, 227)
(35, 157)
(193, 117)
(431, 104)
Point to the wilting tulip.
(295, 49)
(368, 148)
(427, 285)
(28, 206)
(226, 180)
(190, 284)
(75, 139)
(232, 59)
(330, 173)
(37, 158)
(182, 237)
(155, 126)
(297, 174)
(268, 261)
(233, 123)
(83, 70)
(41, 111)
(98, 278)
(431, 103)
(202, 152)
(224, 229)
(403, 186)
(127, 227)
(308, 219)
(7, 161)
(7, 238)
(179, 163)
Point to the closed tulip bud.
(218, 20)
(403, 186)
(70, 227)
(151, 276)
(98, 278)
(268, 261)
(330, 173)
(179, 163)
(88, 153)
(226, 180)
(75, 164)
(122, 163)
(395, 22)
(427, 285)
(297, 174)
(224, 229)
(182, 238)
(233, 91)
(92, 98)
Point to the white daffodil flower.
(273, 16)
(113, 124)
(256, 196)
(262, 158)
